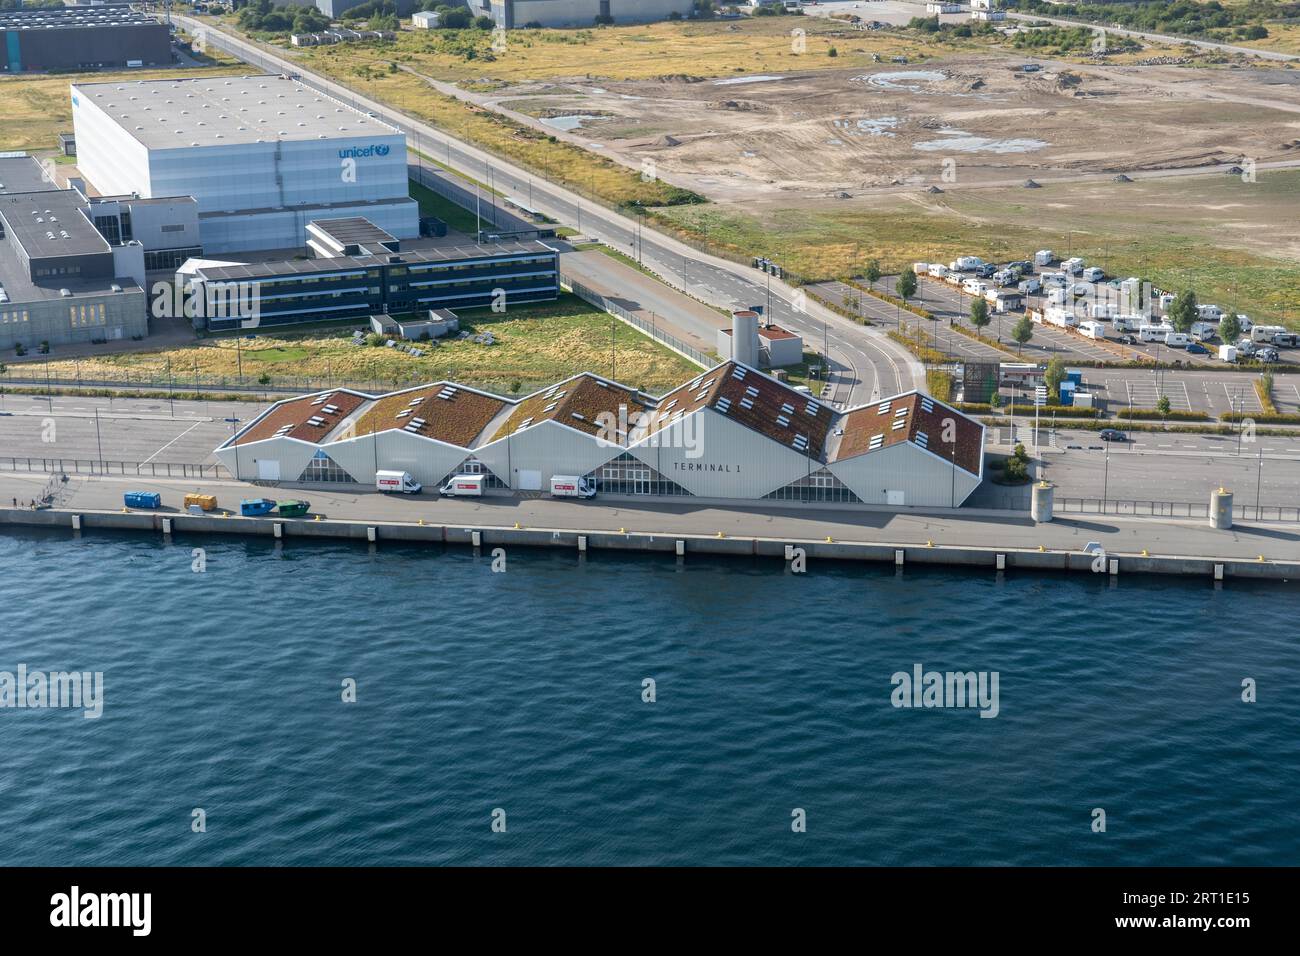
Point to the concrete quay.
(961, 537)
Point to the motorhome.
(1031, 286)
(1211, 312)
(1044, 257)
(965, 263)
(1055, 315)
(1093, 274)
(1266, 333)
(1154, 333)
(1072, 266)
(1093, 330)
(974, 287)
(1204, 331)
(1177, 340)
(937, 270)
(1128, 323)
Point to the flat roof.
(51, 223)
(53, 18)
(231, 110)
(22, 174)
(352, 229)
(266, 270)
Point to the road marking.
(170, 443)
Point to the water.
(909, 80)
(522, 691)
(744, 80)
(568, 123)
(960, 141)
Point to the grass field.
(535, 346)
(705, 49)
(35, 108)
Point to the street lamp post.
(1259, 481)
(1105, 481)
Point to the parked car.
(1266, 355)
(1196, 348)
(1128, 340)
(1113, 434)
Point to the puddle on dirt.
(909, 80)
(738, 80)
(570, 122)
(960, 141)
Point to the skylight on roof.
(724, 404)
(876, 442)
(782, 421)
(884, 408)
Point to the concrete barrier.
(1004, 559)
(1040, 507)
(1221, 509)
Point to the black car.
(1113, 434)
(1128, 340)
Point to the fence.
(90, 466)
(1124, 507)
(649, 328)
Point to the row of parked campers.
(199, 504)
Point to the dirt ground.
(950, 122)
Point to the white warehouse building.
(261, 155)
(732, 433)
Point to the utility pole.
(98, 442)
(1105, 481)
(1259, 481)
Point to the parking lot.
(1210, 393)
(949, 302)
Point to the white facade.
(710, 447)
(260, 147)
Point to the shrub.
(1154, 414)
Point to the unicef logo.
(360, 152)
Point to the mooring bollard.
(898, 558)
(476, 538)
(582, 542)
(371, 534)
(167, 525)
(278, 529)
(1002, 562)
(681, 547)
(76, 522)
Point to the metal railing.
(1128, 507)
(659, 335)
(90, 466)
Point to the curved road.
(864, 363)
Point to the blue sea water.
(523, 691)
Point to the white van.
(464, 486)
(1030, 286)
(398, 482)
(1093, 274)
(572, 486)
(1177, 340)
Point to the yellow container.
(206, 502)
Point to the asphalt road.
(864, 363)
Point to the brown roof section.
(775, 332)
(754, 400)
(919, 419)
(443, 411)
(293, 419)
(578, 403)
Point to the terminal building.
(262, 156)
(81, 38)
(61, 281)
(732, 433)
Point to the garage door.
(896, 498)
(530, 480)
(268, 469)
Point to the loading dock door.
(530, 480)
(268, 469)
(896, 498)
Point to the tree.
(1229, 329)
(1162, 406)
(906, 284)
(1183, 311)
(872, 273)
(1023, 332)
(1053, 377)
(979, 314)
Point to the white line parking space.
(1241, 396)
(1145, 393)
